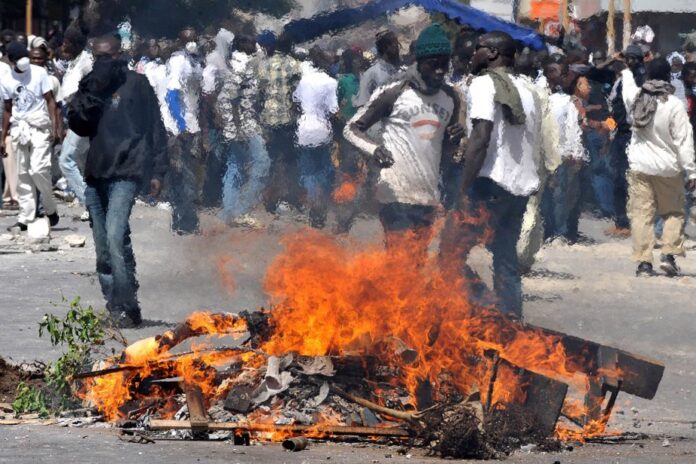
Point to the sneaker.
(18, 225)
(669, 265)
(53, 219)
(645, 269)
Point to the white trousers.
(34, 174)
(9, 165)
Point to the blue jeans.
(504, 218)
(74, 149)
(561, 204)
(109, 202)
(316, 179)
(245, 175)
(600, 176)
(619, 166)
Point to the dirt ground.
(588, 290)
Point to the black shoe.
(53, 219)
(126, 320)
(669, 265)
(645, 269)
(18, 225)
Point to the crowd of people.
(246, 120)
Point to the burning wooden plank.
(289, 429)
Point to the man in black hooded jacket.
(119, 111)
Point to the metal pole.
(626, 23)
(611, 31)
(28, 13)
(566, 15)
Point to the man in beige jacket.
(661, 152)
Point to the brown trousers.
(651, 196)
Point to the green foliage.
(30, 399)
(79, 331)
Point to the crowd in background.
(247, 120)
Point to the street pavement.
(588, 290)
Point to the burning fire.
(329, 299)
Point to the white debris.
(76, 241)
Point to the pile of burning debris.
(250, 394)
(379, 345)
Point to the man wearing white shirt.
(74, 148)
(317, 96)
(30, 121)
(501, 164)
(661, 151)
(184, 74)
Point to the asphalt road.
(588, 290)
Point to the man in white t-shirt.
(501, 165)
(29, 119)
(317, 97)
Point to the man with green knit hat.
(420, 116)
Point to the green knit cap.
(433, 41)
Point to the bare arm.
(7, 114)
(476, 150)
(53, 112)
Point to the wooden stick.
(403, 415)
(319, 429)
(129, 367)
(611, 31)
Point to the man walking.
(278, 75)
(184, 74)
(634, 57)
(127, 148)
(30, 121)
(501, 165)
(420, 115)
(660, 152)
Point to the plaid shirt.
(275, 76)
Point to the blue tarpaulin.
(303, 30)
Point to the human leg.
(600, 172)
(182, 186)
(619, 164)
(641, 210)
(532, 233)
(257, 167)
(121, 197)
(316, 177)
(506, 213)
(669, 196)
(73, 150)
(9, 164)
(26, 193)
(40, 169)
(96, 202)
